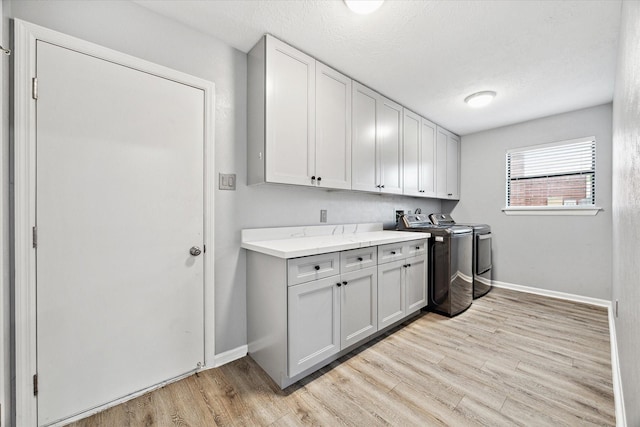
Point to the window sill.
(552, 210)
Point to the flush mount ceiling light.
(480, 99)
(363, 7)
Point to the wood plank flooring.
(511, 359)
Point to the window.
(560, 176)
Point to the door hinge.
(34, 88)
(34, 236)
(35, 384)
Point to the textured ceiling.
(541, 57)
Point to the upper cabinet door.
(447, 165)
(364, 120)
(333, 128)
(290, 115)
(453, 167)
(411, 154)
(441, 164)
(428, 158)
(390, 146)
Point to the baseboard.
(230, 355)
(621, 420)
(553, 294)
(621, 417)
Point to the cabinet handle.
(418, 247)
(338, 284)
(377, 186)
(313, 178)
(450, 194)
(360, 259)
(408, 265)
(317, 267)
(393, 252)
(382, 186)
(404, 266)
(319, 179)
(344, 283)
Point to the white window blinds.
(557, 174)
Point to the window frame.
(550, 210)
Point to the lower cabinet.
(302, 313)
(328, 315)
(402, 289)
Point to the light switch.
(227, 181)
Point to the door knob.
(195, 251)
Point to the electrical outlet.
(323, 215)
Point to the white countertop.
(293, 242)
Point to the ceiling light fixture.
(480, 99)
(363, 7)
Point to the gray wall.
(130, 28)
(570, 254)
(626, 207)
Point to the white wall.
(626, 207)
(132, 29)
(570, 254)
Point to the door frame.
(24, 174)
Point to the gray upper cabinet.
(447, 165)
(299, 119)
(310, 125)
(419, 156)
(333, 128)
(376, 142)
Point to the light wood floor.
(511, 359)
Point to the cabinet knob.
(418, 247)
(393, 252)
(360, 259)
(313, 178)
(382, 186)
(338, 284)
(377, 186)
(317, 267)
(319, 178)
(408, 265)
(344, 283)
(404, 266)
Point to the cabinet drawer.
(416, 247)
(392, 252)
(358, 259)
(313, 267)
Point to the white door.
(333, 128)
(358, 305)
(416, 283)
(290, 131)
(313, 323)
(428, 158)
(391, 307)
(119, 205)
(411, 154)
(441, 164)
(390, 146)
(364, 174)
(453, 159)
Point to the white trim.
(231, 355)
(553, 294)
(551, 210)
(25, 36)
(618, 396)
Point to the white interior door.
(119, 195)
